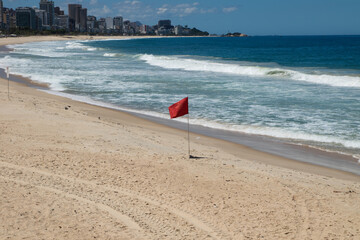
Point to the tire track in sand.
(302, 230)
(128, 222)
(134, 222)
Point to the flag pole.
(7, 75)
(189, 134)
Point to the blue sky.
(254, 17)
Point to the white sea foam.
(58, 78)
(79, 45)
(46, 50)
(74, 45)
(9, 61)
(247, 129)
(256, 71)
(279, 133)
(112, 54)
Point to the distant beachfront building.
(42, 17)
(1, 14)
(83, 20)
(77, 18)
(109, 23)
(91, 24)
(126, 28)
(62, 22)
(164, 23)
(48, 7)
(131, 28)
(58, 11)
(118, 24)
(101, 24)
(26, 18)
(74, 16)
(9, 18)
(164, 32)
(145, 29)
(136, 27)
(164, 28)
(181, 31)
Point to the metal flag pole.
(7, 75)
(189, 134)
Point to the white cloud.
(132, 2)
(100, 11)
(162, 9)
(135, 2)
(106, 9)
(179, 10)
(189, 10)
(140, 10)
(205, 11)
(93, 2)
(229, 9)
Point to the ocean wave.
(279, 133)
(79, 45)
(112, 54)
(172, 62)
(74, 45)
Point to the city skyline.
(258, 17)
(50, 18)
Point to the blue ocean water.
(303, 90)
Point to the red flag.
(179, 109)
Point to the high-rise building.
(91, 23)
(9, 18)
(101, 24)
(164, 23)
(118, 24)
(74, 16)
(62, 22)
(1, 14)
(109, 23)
(83, 20)
(58, 11)
(26, 18)
(12, 18)
(48, 6)
(144, 29)
(42, 17)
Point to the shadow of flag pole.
(179, 109)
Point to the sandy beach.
(70, 170)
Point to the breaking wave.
(112, 54)
(247, 129)
(254, 71)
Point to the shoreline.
(291, 152)
(278, 147)
(265, 144)
(201, 135)
(72, 170)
